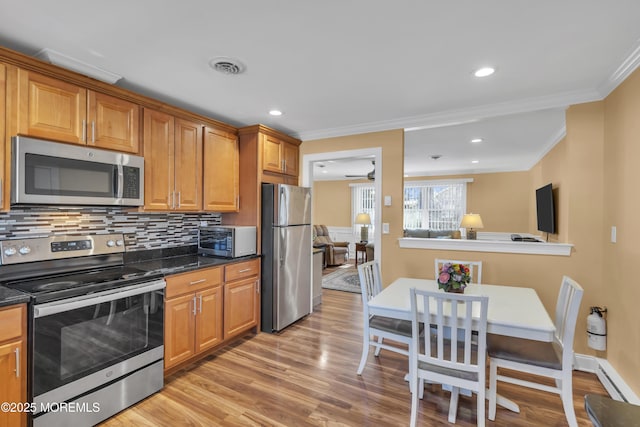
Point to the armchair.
(336, 253)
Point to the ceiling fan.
(371, 176)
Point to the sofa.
(336, 253)
(431, 234)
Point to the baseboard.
(608, 376)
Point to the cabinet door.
(221, 171)
(209, 318)
(113, 123)
(50, 108)
(290, 157)
(179, 329)
(12, 371)
(271, 154)
(158, 160)
(240, 306)
(188, 166)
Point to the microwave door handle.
(120, 182)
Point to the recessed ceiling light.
(475, 161)
(484, 72)
(325, 171)
(477, 140)
(275, 112)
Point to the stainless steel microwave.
(51, 173)
(227, 241)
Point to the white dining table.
(513, 311)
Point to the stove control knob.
(10, 251)
(24, 250)
(119, 242)
(111, 243)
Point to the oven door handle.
(55, 307)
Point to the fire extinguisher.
(597, 328)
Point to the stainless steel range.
(95, 329)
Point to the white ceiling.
(340, 67)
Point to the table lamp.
(471, 221)
(365, 220)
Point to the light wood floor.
(306, 376)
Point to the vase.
(455, 290)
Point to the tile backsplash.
(142, 230)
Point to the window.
(435, 205)
(363, 200)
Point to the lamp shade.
(471, 221)
(363, 218)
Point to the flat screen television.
(545, 209)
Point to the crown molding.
(468, 115)
(457, 117)
(553, 140)
(628, 66)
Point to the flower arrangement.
(453, 277)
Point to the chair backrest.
(450, 315)
(567, 309)
(370, 280)
(322, 234)
(474, 266)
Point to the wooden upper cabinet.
(114, 123)
(290, 155)
(279, 156)
(158, 140)
(53, 109)
(188, 165)
(271, 154)
(173, 163)
(221, 171)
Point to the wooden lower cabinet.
(13, 362)
(193, 314)
(202, 311)
(241, 297)
(240, 303)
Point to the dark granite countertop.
(184, 263)
(11, 297)
(160, 261)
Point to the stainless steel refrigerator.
(286, 255)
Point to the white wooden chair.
(549, 359)
(460, 364)
(474, 266)
(379, 326)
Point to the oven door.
(82, 343)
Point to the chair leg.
(567, 401)
(378, 348)
(414, 403)
(365, 352)
(453, 404)
(493, 385)
(480, 413)
(421, 388)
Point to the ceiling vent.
(226, 65)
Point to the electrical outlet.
(385, 228)
(614, 233)
(387, 200)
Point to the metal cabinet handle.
(84, 130)
(17, 351)
(93, 131)
(244, 270)
(200, 303)
(179, 198)
(195, 282)
(194, 305)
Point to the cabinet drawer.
(241, 270)
(194, 281)
(11, 322)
